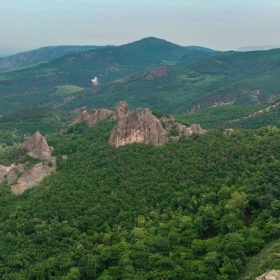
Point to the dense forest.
(197, 208)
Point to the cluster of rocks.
(21, 178)
(139, 126)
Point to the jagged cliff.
(139, 126)
(22, 177)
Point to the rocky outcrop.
(82, 115)
(120, 111)
(139, 126)
(34, 176)
(38, 147)
(22, 176)
(270, 275)
(96, 116)
(10, 173)
(171, 125)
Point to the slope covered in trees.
(41, 55)
(239, 79)
(194, 208)
(41, 85)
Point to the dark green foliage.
(16, 126)
(190, 209)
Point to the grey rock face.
(38, 147)
(121, 110)
(82, 115)
(96, 116)
(139, 126)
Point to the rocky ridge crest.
(139, 126)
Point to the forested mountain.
(239, 79)
(34, 57)
(194, 208)
(63, 79)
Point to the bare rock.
(34, 176)
(38, 147)
(228, 132)
(9, 173)
(96, 116)
(82, 114)
(170, 123)
(121, 110)
(139, 126)
(270, 275)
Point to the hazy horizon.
(31, 24)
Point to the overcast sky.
(217, 24)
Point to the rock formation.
(34, 176)
(21, 176)
(38, 147)
(10, 173)
(170, 123)
(96, 116)
(82, 115)
(120, 111)
(139, 126)
(270, 275)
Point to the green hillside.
(196, 208)
(239, 79)
(40, 85)
(34, 57)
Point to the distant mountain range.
(199, 48)
(34, 57)
(150, 73)
(257, 48)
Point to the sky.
(217, 24)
